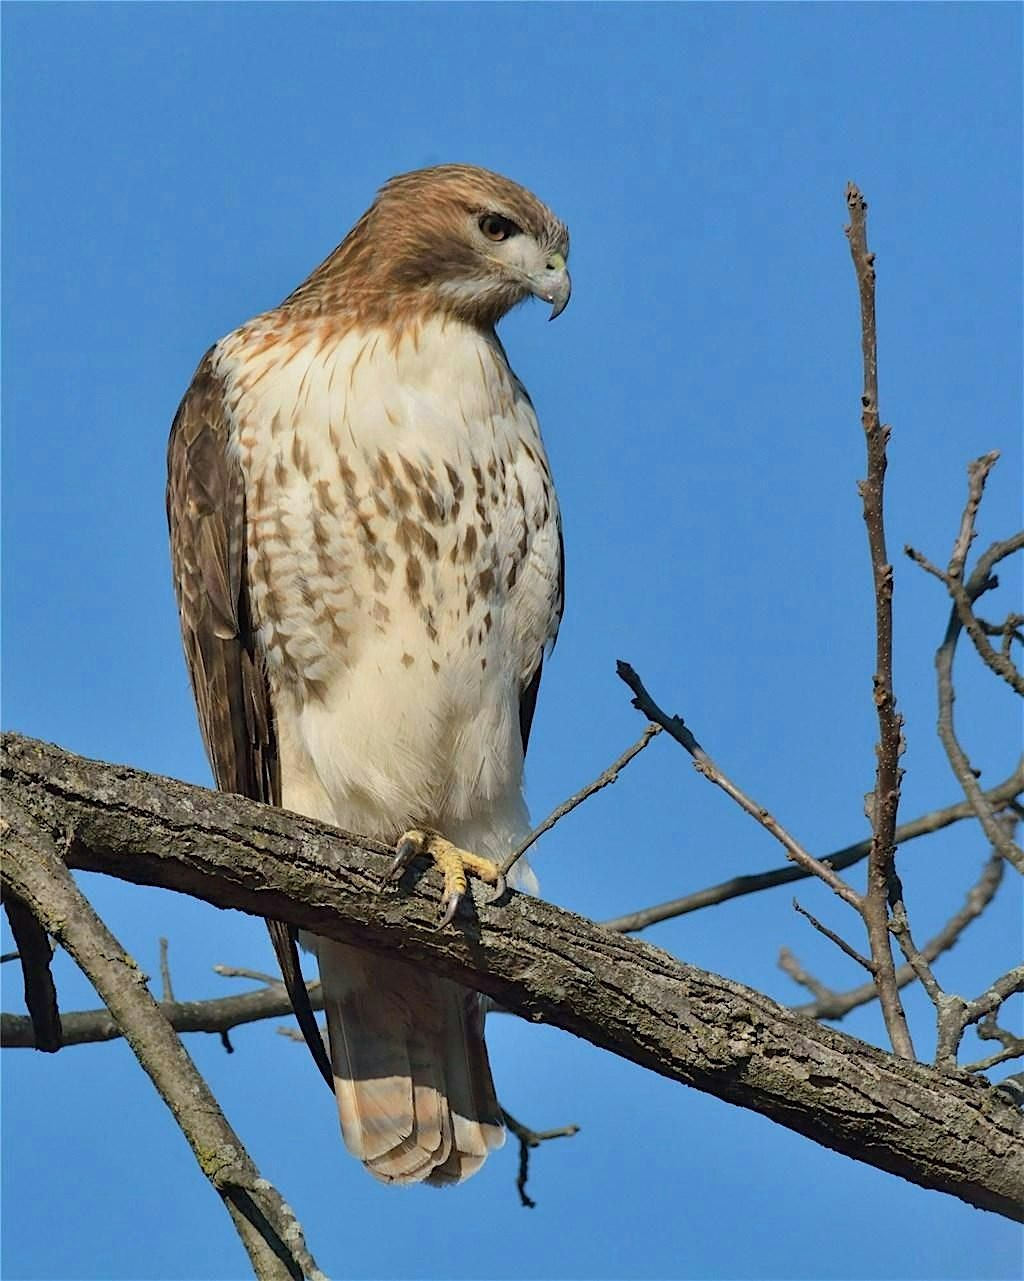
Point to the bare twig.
(835, 938)
(839, 860)
(977, 475)
(956, 1014)
(964, 594)
(835, 1005)
(268, 1229)
(602, 780)
(1007, 985)
(166, 987)
(1004, 1055)
(883, 888)
(900, 926)
(989, 1030)
(258, 976)
(8, 956)
(980, 581)
(678, 729)
(529, 1139)
(789, 964)
(217, 1016)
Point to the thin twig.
(883, 888)
(1008, 1052)
(918, 962)
(166, 987)
(989, 1030)
(1007, 985)
(998, 661)
(531, 1139)
(678, 729)
(964, 594)
(836, 1005)
(835, 938)
(789, 964)
(9, 956)
(240, 972)
(839, 860)
(602, 780)
(980, 581)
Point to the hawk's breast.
(403, 556)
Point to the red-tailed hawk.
(368, 562)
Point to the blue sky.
(169, 170)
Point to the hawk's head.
(454, 239)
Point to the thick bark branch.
(940, 1131)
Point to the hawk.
(367, 556)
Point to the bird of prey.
(367, 556)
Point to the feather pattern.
(367, 555)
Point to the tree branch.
(681, 732)
(35, 953)
(33, 870)
(883, 887)
(528, 1140)
(839, 860)
(835, 1005)
(961, 1136)
(608, 776)
(980, 581)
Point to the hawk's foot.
(454, 864)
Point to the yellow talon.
(454, 864)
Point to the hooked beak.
(553, 284)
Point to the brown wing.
(528, 698)
(206, 517)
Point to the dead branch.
(603, 780)
(166, 987)
(528, 1140)
(883, 887)
(835, 1005)
(959, 1135)
(980, 581)
(219, 1015)
(839, 860)
(680, 731)
(35, 953)
(989, 1030)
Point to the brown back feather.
(206, 518)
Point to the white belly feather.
(404, 570)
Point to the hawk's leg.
(454, 864)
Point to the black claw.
(404, 855)
(451, 906)
(500, 886)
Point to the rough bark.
(956, 1134)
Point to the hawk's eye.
(496, 228)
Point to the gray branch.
(34, 870)
(944, 1131)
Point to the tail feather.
(412, 1079)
